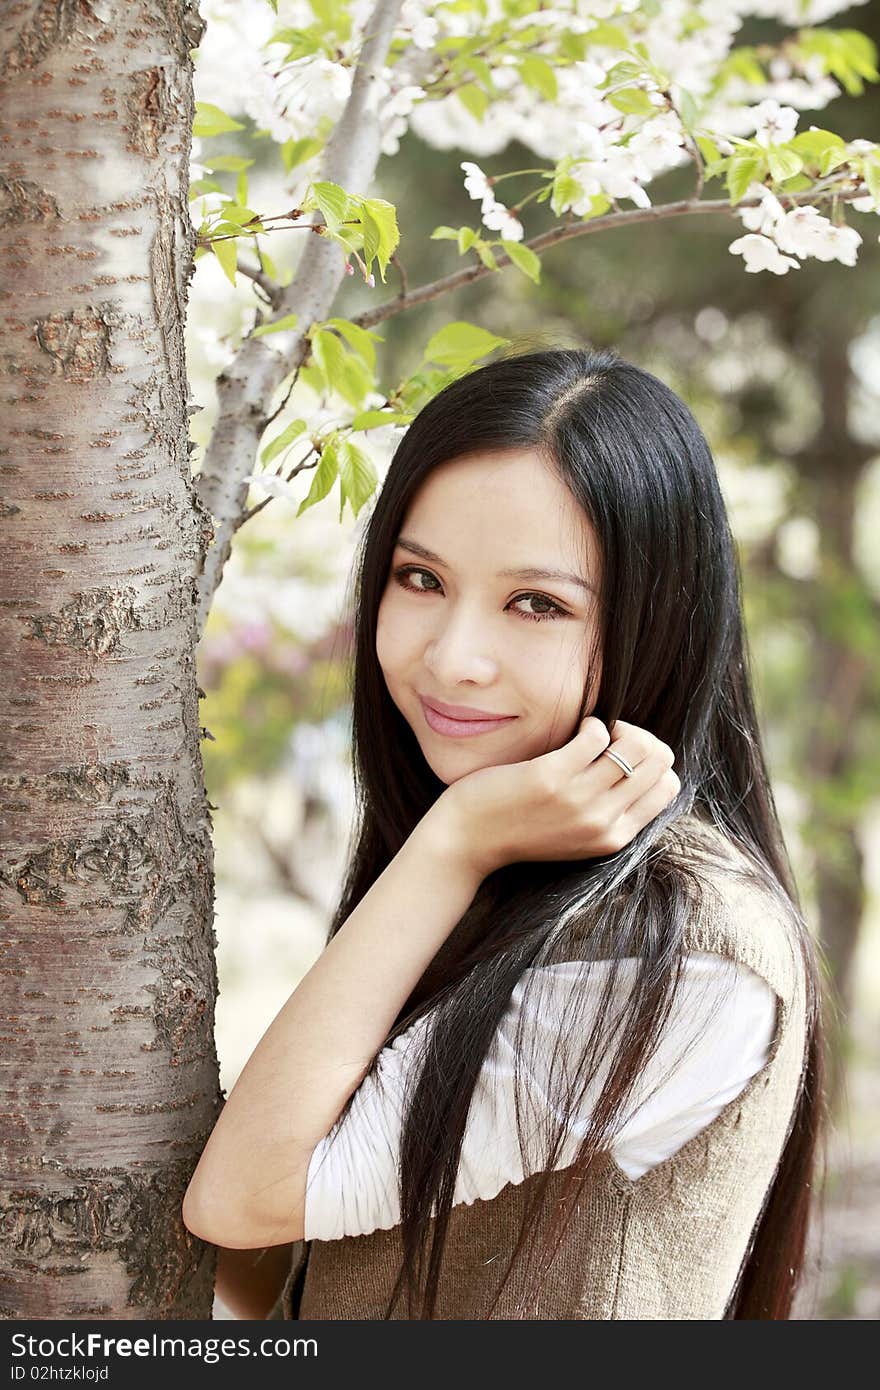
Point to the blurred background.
(783, 374)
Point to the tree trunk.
(832, 468)
(106, 872)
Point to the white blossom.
(805, 232)
(802, 231)
(499, 218)
(775, 124)
(766, 215)
(760, 253)
(273, 485)
(403, 100)
(659, 142)
(476, 182)
(423, 28)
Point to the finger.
(637, 748)
(649, 803)
(619, 789)
(592, 736)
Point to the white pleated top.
(718, 1036)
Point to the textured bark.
(110, 1082)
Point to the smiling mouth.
(461, 728)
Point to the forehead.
(485, 506)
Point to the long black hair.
(674, 662)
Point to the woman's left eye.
(552, 612)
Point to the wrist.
(444, 832)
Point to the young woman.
(562, 1056)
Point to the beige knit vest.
(668, 1245)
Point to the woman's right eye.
(402, 574)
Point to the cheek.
(561, 699)
(394, 641)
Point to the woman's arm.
(248, 1282)
(248, 1189)
(249, 1186)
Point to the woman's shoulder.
(739, 909)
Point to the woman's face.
(454, 628)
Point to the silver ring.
(628, 771)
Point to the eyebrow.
(527, 572)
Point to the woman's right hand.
(571, 803)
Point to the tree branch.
(245, 388)
(686, 207)
(265, 282)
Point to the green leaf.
(830, 160)
(201, 186)
(281, 441)
(466, 238)
(783, 163)
(228, 163)
(326, 474)
(301, 43)
(812, 144)
(688, 108)
(329, 354)
(742, 63)
(212, 120)
(227, 256)
(381, 234)
(608, 36)
(281, 325)
(473, 99)
(480, 68)
(798, 184)
(622, 72)
(524, 259)
(539, 75)
(239, 216)
(486, 255)
(872, 179)
(374, 419)
(342, 371)
(332, 201)
(294, 152)
(743, 170)
(566, 190)
(360, 339)
(458, 344)
(358, 478)
(445, 234)
(633, 101)
(268, 264)
(311, 375)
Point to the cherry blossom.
(775, 124)
(476, 183)
(612, 152)
(760, 253)
(802, 231)
(499, 218)
(805, 232)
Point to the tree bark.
(110, 1076)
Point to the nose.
(459, 649)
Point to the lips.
(462, 728)
(463, 711)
